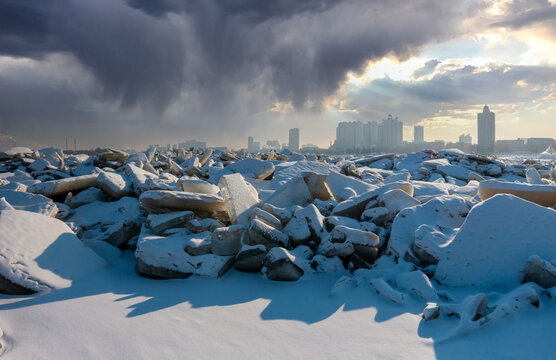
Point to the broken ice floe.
(411, 227)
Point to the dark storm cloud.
(135, 57)
(203, 63)
(250, 10)
(146, 51)
(519, 14)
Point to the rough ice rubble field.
(329, 312)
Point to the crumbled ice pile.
(414, 226)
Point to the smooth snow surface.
(115, 314)
(41, 253)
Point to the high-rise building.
(250, 144)
(294, 140)
(345, 136)
(486, 131)
(465, 139)
(390, 132)
(418, 134)
(370, 135)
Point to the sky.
(128, 73)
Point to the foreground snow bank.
(495, 241)
(38, 253)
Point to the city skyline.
(387, 135)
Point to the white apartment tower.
(294, 140)
(418, 134)
(390, 132)
(487, 131)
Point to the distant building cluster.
(360, 137)
(188, 144)
(530, 145)
(465, 139)
(357, 136)
(292, 145)
(253, 146)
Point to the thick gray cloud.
(198, 65)
(461, 89)
(135, 57)
(522, 13)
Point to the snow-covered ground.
(115, 314)
(415, 256)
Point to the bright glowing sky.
(219, 71)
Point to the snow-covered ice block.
(114, 184)
(454, 171)
(338, 183)
(314, 219)
(206, 224)
(113, 155)
(39, 253)
(87, 196)
(444, 213)
(424, 188)
(164, 200)
(493, 245)
(226, 240)
(139, 178)
(55, 188)
(317, 186)
(266, 217)
(196, 185)
(544, 195)
(30, 202)
(533, 177)
(290, 170)
(264, 234)
(401, 176)
(250, 258)
(280, 265)
(331, 221)
(200, 245)
(355, 206)
(396, 200)
(253, 168)
(39, 165)
(298, 231)
(205, 157)
(283, 214)
(18, 151)
(159, 223)
(365, 243)
(239, 200)
(540, 272)
(165, 257)
(367, 161)
(294, 192)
